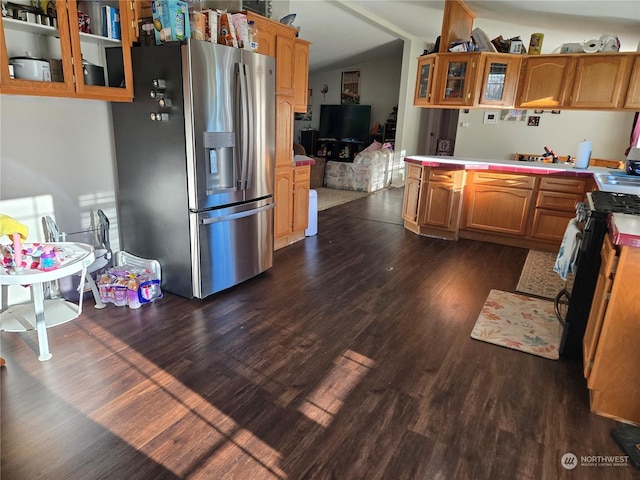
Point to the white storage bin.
(312, 227)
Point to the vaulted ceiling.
(344, 32)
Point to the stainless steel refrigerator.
(195, 164)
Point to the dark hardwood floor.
(349, 359)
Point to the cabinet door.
(498, 209)
(438, 205)
(283, 196)
(284, 130)
(301, 75)
(550, 224)
(633, 93)
(266, 34)
(545, 81)
(599, 81)
(411, 198)
(499, 80)
(284, 65)
(109, 53)
(599, 305)
(424, 82)
(301, 177)
(457, 74)
(48, 40)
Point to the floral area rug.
(519, 322)
(539, 279)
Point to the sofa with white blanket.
(369, 171)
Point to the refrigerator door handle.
(234, 216)
(250, 123)
(245, 121)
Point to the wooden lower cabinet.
(550, 224)
(412, 194)
(611, 342)
(433, 201)
(554, 210)
(292, 204)
(498, 209)
(523, 210)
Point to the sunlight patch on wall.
(325, 401)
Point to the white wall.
(608, 131)
(61, 149)
(379, 87)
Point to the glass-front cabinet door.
(68, 48)
(102, 49)
(457, 73)
(35, 50)
(424, 82)
(499, 80)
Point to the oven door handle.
(556, 305)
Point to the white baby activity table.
(39, 314)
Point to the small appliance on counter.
(632, 165)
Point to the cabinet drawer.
(443, 176)
(301, 174)
(414, 171)
(504, 180)
(567, 185)
(558, 201)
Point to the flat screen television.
(345, 122)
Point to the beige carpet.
(539, 279)
(519, 322)
(331, 197)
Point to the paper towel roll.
(584, 154)
(591, 46)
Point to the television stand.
(343, 150)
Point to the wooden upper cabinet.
(600, 81)
(457, 24)
(424, 83)
(544, 80)
(632, 100)
(499, 80)
(285, 47)
(300, 75)
(266, 34)
(65, 47)
(456, 79)
(284, 130)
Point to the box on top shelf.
(110, 22)
(170, 21)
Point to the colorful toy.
(18, 233)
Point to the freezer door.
(229, 108)
(231, 245)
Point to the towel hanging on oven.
(566, 260)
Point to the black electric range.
(588, 264)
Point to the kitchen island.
(524, 204)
